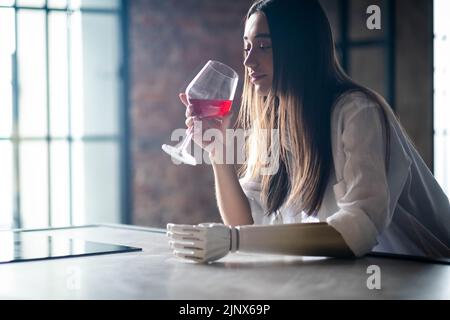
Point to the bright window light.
(442, 93)
(60, 106)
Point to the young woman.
(345, 161)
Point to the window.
(63, 124)
(368, 56)
(442, 93)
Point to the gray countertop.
(155, 274)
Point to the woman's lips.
(256, 78)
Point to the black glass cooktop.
(20, 246)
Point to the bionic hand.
(205, 242)
(208, 242)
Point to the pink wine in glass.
(210, 93)
(210, 107)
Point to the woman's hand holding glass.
(208, 98)
(199, 123)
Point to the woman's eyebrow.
(259, 35)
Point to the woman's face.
(258, 53)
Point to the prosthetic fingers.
(208, 242)
(205, 242)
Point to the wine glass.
(211, 94)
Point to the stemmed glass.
(211, 94)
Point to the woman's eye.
(263, 47)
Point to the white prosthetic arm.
(208, 242)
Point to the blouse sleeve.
(361, 192)
(252, 190)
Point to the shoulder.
(353, 103)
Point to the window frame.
(121, 139)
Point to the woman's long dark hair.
(307, 82)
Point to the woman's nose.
(250, 60)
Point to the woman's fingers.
(189, 107)
(210, 111)
(206, 124)
(190, 112)
(199, 124)
(227, 120)
(184, 99)
(200, 127)
(189, 122)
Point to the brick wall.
(169, 41)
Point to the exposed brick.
(169, 41)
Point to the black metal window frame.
(387, 42)
(122, 138)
